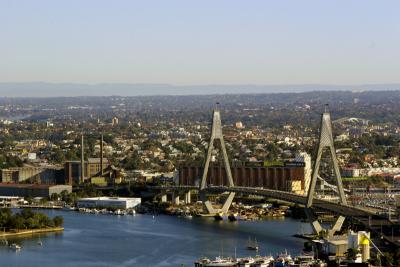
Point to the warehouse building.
(284, 176)
(109, 202)
(32, 190)
(92, 168)
(32, 174)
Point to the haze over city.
(187, 44)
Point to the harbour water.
(140, 240)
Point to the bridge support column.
(175, 198)
(326, 140)
(337, 226)
(228, 203)
(317, 228)
(315, 225)
(207, 204)
(188, 197)
(164, 198)
(216, 134)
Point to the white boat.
(221, 262)
(302, 260)
(252, 245)
(246, 262)
(39, 242)
(187, 215)
(283, 259)
(132, 212)
(15, 246)
(263, 261)
(201, 262)
(68, 208)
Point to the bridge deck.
(346, 210)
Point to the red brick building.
(285, 178)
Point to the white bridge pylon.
(216, 134)
(325, 141)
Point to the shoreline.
(31, 232)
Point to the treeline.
(27, 219)
(8, 161)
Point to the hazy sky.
(200, 42)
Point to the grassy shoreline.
(30, 232)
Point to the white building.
(109, 202)
(239, 125)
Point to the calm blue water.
(108, 240)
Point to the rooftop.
(27, 186)
(110, 198)
(90, 160)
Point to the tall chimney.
(82, 161)
(101, 155)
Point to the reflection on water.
(107, 240)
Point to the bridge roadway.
(345, 210)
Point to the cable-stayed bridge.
(367, 216)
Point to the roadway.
(346, 210)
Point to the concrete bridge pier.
(337, 226)
(228, 203)
(317, 228)
(315, 225)
(188, 197)
(164, 198)
(175, 198)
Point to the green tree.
(58, 221)
(133, 162)
(17, 222)
(27, 213)
(55, 196)
(31, 223)
(58, 157)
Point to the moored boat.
(218, 262)
(15, 246)
(263, 261)
(283, 259)
(252, 245)
(246, 262)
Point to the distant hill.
(44, 89)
